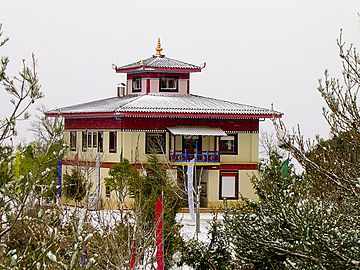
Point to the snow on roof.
(164, 103)
(158, 62)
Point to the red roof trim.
(91, 114)
(154, 69)
(138, 165)
(161, 115)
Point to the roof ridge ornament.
(159, 49)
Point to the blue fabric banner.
(59, 175)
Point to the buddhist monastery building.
(156, 111)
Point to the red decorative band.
(142, 123)
(158, 75)
(229, 167)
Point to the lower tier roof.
(164, 103)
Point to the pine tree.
(309, 220)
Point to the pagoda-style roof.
(158, 105)
(158, 62)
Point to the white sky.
(257, 52)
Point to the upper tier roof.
(156, 62)
(174, 104)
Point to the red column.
(159, 233)
(147, 85)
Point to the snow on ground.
(110, 217)
(188, 230)
(100, 218)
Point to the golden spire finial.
(158, 48)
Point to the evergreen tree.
(146, 192)
(308, 220)
(32, 235)
(74, 186)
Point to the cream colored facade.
(154, 85)
(132, 146)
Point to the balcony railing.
(200, 156)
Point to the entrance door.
(202, 176)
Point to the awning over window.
(193, 131)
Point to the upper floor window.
(94, 139)
(155, 143)
(136, 84)
(168, 85)
(73, 140)
(228, 144)
(84, 141)
(112, 142)
(100, 136)
(91, 140)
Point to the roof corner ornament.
(142, 64)
(159, 49)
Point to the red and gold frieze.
(142, 123)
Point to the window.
(100, 136)
(228, 144)
(107, 191)
(168, 85)
(73, 140)
(136, 84)
(84, 141)
(89, 139)
(229, 188)
(94, 139)
(155, 143)
(112, 142)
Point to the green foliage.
(31, 159)
(292, 226)
(122, 176)
(146, 192)
(6, 158)
(74, 185)
(310, 220)
(215, 255)
(340, 156)
(33, 234)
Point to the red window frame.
(227, 174)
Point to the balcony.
(200, 156)
(199, 143)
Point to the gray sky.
(257, 52)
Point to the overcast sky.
(257, 52)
